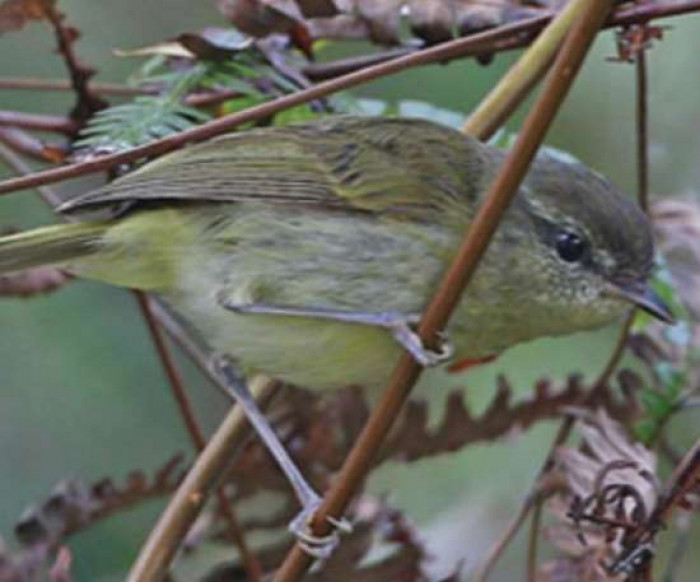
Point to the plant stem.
(448, 50)
(503, 99)
(165, 538)
(177, 387)
(445, 299)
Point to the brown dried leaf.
(415, 439)
(376, 20)
(611, 489)
(72, 507)
(259, 18)
(16, 14)
(33, 282)
(210, 43)
(432, 21)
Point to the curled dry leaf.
(611, 488)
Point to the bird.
(308, 252)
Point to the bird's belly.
(315, 354)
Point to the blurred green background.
(81, 393)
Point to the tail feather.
(51, 245)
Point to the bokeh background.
(82, 395)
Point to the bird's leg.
(401, 325)
(318, 547)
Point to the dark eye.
(570, 246)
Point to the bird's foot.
(403, 330)
(319, 547)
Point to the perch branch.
(165, 538)
(503, 99)
(177, 386)
(458, 276)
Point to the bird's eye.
(570, 246)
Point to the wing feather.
(354, 164)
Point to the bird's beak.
(644, 297)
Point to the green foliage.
(659, 402)
(151, 117)
(147, 117)
(671, 378)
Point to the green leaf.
(656, 404)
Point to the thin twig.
(31, 146)
(503, 99)
(250, 562)
(165, 538)
(642, 130)
(497, 549)
(533, 540)
(171, 372)
(21, 167)
(31, 84)
(447, 296)
(38, 122)
(87, 102)
(472, 45)
(453, 49)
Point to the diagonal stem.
(209, 468)
(497, 200)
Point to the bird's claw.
(404, 333)
(319, 547)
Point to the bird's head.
(595, 245)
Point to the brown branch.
(322, 71)
(460, 47)
(31, 146)
(475, 242)
(532, 542)
(497, 549)
(177, 386)
(171, 372)
(87, 102)
(19, 166)
(38, 122)
(511, 90)
(30, 84)
(642, 130)
(472, 45)
(165, 538)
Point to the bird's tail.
(51, 245)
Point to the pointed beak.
(646, 299)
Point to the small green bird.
(308, 252)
